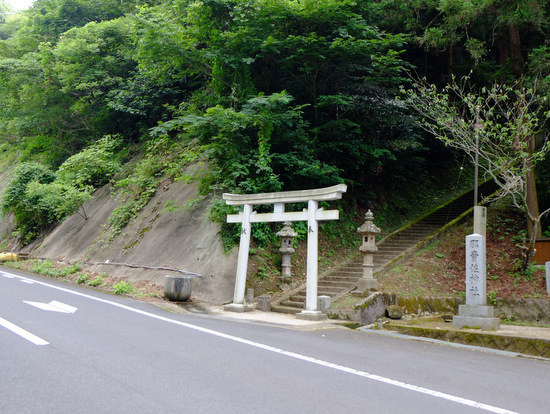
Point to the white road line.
(341, 368)
(53, 306)
(7, 275)
(22, 333)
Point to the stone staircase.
(392, 249)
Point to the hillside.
(180, 239)
(121, 123)
(438, 270)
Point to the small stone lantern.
(286, 234)
(368, 232)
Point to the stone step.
(344, 279)
(321, 291)
(392, 243)
(335, 286)
(413, 232)
(292, 304)
(339, 280)
(285, 309)
(397, 244)
(387, 258)
(391, 253)
(395, 250)
(351, 274)
(444, 216)
(403, 240)
(350, 269)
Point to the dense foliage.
(266, 95)
(39, 197)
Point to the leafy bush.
(56, 200)
(13, 197)
(45, 268)
(28, 215)
(83, 277)
(93, 166)
(37, 197)
(96, 282)
(49, 268)
(123, 287)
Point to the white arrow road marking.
(53, 306)
(22, 333)
(27, 281)
(64, 306)
(7, 275)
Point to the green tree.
(492, 36)
(56, 98)
(93, 166)
(52, 202)
(49, 19)
(340, 70)
(504, 120)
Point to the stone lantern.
(368, 232)
(286, 234)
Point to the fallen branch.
(169, 269)
(134, 266)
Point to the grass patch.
(52, 269)
(96, 282)
(123, 287)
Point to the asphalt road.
(68, 349)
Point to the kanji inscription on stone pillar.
(475, 270)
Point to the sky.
(20, 4)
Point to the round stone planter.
(178, 288)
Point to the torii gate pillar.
(312, 215)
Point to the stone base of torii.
(313, 214)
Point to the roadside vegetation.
(437, 271)
(74, 273)
(249, 96)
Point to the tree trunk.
(516, 57)
(531, 191)
(530, 252)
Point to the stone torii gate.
(313, 214)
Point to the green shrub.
(55, 201)
(83, 277)
(93, 166)
(15, 199)
(96, 282)
(71, 269)
(123, 287)
(46, 267)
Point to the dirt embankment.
(158, 237)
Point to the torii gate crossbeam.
(313, 214)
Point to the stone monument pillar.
(286, 234)
(476, 313)
(368, 232)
